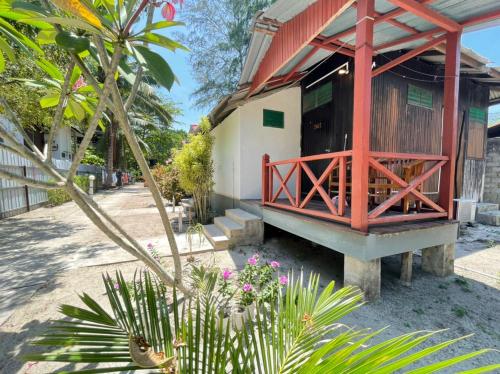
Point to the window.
(419, 97)
(478, 119)
(317, 97)
(274, 118)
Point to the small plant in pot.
(257, 282)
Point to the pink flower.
(284, 280)
(168, 12)
(117, 286)
(275, 264)
(79, 84)
(247, 287)
(150, 245)
(226, 274)
(254, 259)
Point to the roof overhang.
(291, 36)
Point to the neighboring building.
(491, 192)
(193, 129)
(300, 145)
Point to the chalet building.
(356, 124)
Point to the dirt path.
(61, 251)
(41, 244)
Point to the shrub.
(167, 179)
(91, 158)
(60, 196)
(195, 166)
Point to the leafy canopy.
(218, 34)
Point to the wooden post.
(450, 118)
(265, 179)
(342, 185)
(26, 189)
(298, 185)
(406, 268)
(362, 114)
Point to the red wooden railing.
(335, 173)
(300, 167)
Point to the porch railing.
(393, 178)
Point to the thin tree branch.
(59, 114)
(140, 70)
(101, 106)
(19, 127)
(30, 182)
(121, 114)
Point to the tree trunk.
(110, 160)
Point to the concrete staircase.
(488, 214)
(237, 227)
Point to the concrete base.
(363, 274)
(439, 260)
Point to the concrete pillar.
(363, 274)
(91, 184)
(439, 260)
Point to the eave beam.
(428, 14)
(408, 56)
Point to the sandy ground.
(465, 303)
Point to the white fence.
(16, 198)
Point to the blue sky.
(480, 41)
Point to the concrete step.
(491, 217)
(216, 237)
(230, 228)
(241, 216)
(485, 207)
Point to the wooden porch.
(399, 187)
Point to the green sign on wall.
(274, 118)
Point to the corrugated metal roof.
(284, 10)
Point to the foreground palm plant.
(153, 331)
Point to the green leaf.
(50, 100)
(79, 113)
(161, 41)
(163, 25)
(46, 37)
(6, 48)
(2, 62)
(157, 66)
(72, 42)
(49, 68)
(70, 22)
(31, 7)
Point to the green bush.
(60, 196)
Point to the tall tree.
(218, 34)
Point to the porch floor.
(380, 240)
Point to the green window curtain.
(274, 118)
(317, 97)
(419, 97)
(478, 115)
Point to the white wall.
(226, 156)
(279, 144)
(63, 141)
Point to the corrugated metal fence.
(14, 197)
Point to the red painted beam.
(450, 120)
(482, 18)
(411, 38)
(294, 35)
(409, 55)
(362, 114)
(333, 48)
(300, 64)
(381, 18)
(428, 14)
